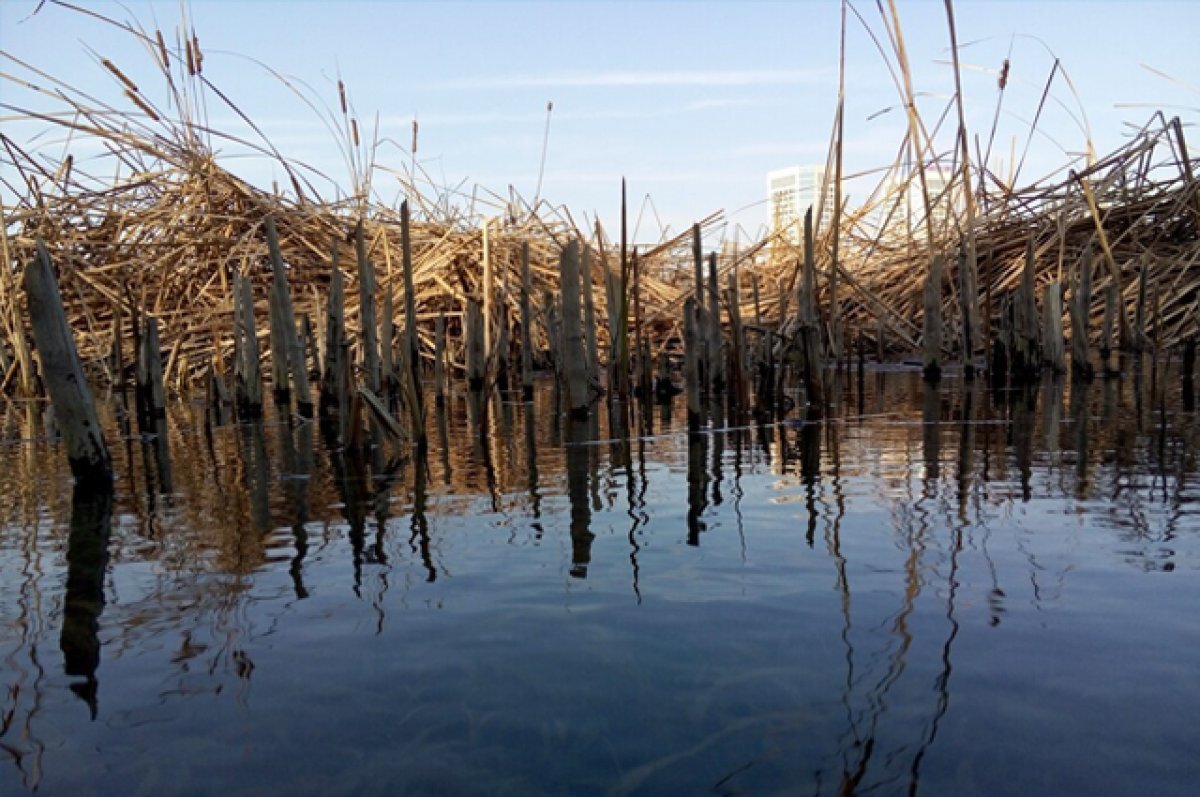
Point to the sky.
(691, 102)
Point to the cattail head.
(162, 49)
(1004, 75)
(111, 67)
(342, 96)
(354, 131)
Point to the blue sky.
(692, 102)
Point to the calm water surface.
(937, 591)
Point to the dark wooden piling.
(334, 371)
(574, 351)
(389, 367)
(411, 377)
(931, 338)
(62, 373)
(279, 348)
(283, 314)
(308, 345)
(1081, 309)
(701, 306)
(439, 360)
(1026, 360)
(737, 369)
(1054, 348)
(589, 318)
(368, 328)
(475, 346)
(810, 343)
(1139, 340)
(968, 302)
(691, 362)
(151, 396)
(1108, 353)
(526, 326)
(712, 318)
(247, 376)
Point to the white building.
(791, 191)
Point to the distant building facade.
(791, 192)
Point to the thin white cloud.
(673, 78)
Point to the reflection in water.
(983, 553)
(87, 557)
(577, 493)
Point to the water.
(939, 592)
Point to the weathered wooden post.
(439, 360)
(151, 397)
(332, 375)
(574, 352)
(739, 383)
(526, 326)
(1140, 341)
(247, 377)
(931, 338)
(698, 265)
(63, 375)
(283, 315)
(476, 355)
(412, 344)
(1108, 352)
(813, 368)
(368, 330)
(691, 362)
(1026, 348)
(716, 362)
(589, 318)
(1081, 309)
(1055, 349)
(389, 374)
(968, 298)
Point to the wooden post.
(813, 368)
(476, 356)
(1140, 340)
(526, 326)
(279, 348)
(1026, 349)
(488, 290)
(412, 344)
(308, 341)
(388, 372)
(931, 338)
(247, 377)
(150, 377)
(1055, 350)
(1081, 309)
(716, 361)
(738, 389)
(1108, 353)
(691, 362)
(698, 265)
(333, 375)
(62, 373)
(283, 315)
(366, 311)
(968, 298)
(439, 360)
(589, 318)
(574, 353)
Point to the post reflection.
(578, 468)
(87, 558)
(697, 485)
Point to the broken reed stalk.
(1081, 308)
(74, 409)
(931, 338)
